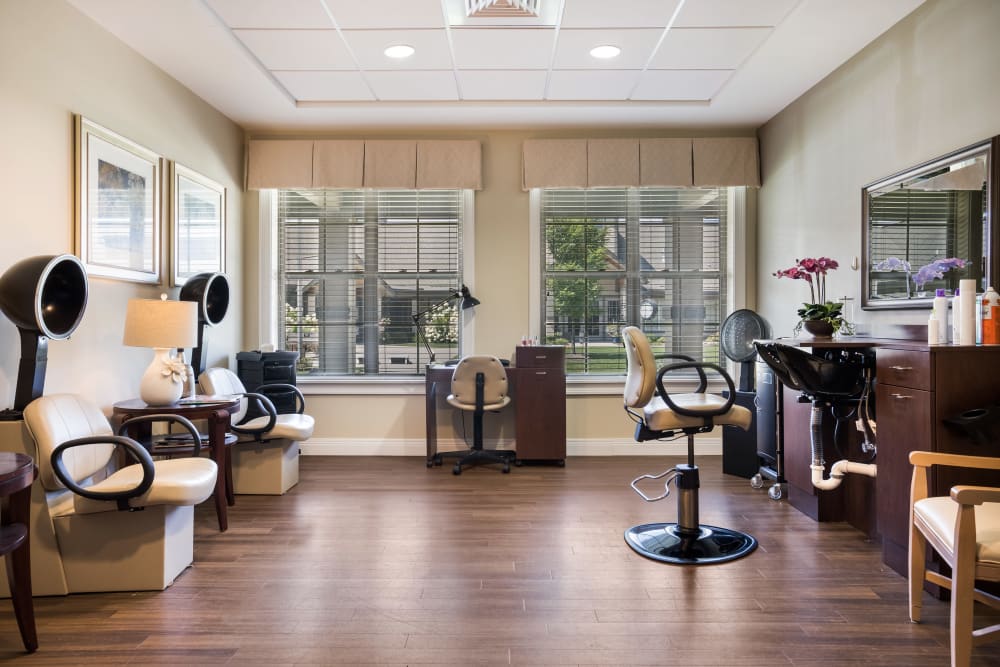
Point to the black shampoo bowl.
(819, 378)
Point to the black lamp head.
(211, 292)
(468, 301)
(45, 297)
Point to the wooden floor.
(381, 561)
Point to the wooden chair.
(964, 529)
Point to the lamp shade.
(159, 323)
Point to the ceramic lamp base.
(157, 388)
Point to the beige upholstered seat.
(664, 415)
(964, 529)
(101, 547)
(266, 458)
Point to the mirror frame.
(991, 244)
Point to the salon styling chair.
(478, 384)
(265, 459)
(118, 528)
(659, 415)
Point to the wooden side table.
(17, 472)
(216, 410)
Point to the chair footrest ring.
(667, 543)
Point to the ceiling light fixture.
(605, 51)
(501, 8)
(399, 51)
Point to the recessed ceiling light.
(605, 51)
(399, 51)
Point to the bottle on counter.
(940, 313)
(956, 317)
(991, 317)
(933, 330)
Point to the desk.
(216, 411)
(17, 472)
(537, 386)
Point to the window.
(355, 266)
(652, 257)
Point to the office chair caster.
(774, 493)
(457, 470)
(757, 481)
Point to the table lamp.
(164, 326)
(468, 301)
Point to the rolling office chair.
(659, 415)
(964, 529)
(478, 384)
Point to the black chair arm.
(703, 381)
(700, 366)
(133, 448)
(267, 406)
(277, 387)
(183, 421)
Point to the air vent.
(501, 8)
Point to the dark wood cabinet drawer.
(540, 401)
(904, 368)
(540, 356)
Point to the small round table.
(216, 411)
(17, 472)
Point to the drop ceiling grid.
(338, 56)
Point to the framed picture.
(118, 205)
(198, 229)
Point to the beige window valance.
(334, 163)
(587, 163)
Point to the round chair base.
(665, 543)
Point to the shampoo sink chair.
(118, 528)
(660, 415)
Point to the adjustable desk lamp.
(468, 301)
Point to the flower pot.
(818, 328)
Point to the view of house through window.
(650, 257)
(356, 266)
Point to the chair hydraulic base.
(686, 542)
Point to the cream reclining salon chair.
(124, 529)
(664, 416)
(964, 529)
(266, 458)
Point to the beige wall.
(923, 89)
(54, 63)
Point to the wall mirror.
(930, 226)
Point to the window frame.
(267, 300)
(738, 291)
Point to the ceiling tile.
(271, 13)
(432, 51)
(325, 86)
(573, 48)
(297, 49)
(621, 14)
(732, 13)
(708, 48)
(502, 84)
(413, 85)
(387, 13)
(666, 84)
(591, 84)
(499, 48)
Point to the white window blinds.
(652, 257)
(356, 265)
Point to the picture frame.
(119, 205)
(198, 224)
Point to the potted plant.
(819, 317)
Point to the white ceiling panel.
(591, 84)
(729, 13)
(573, 48)
(680, 85)
(618, 14)
(271, 14)
(708, 48)
(502, 84)
(325, 86)
(414, 85)
(498, 48)
(387, 13)
(432, 50)
(297, 49)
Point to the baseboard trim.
(580, 447)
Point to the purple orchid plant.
(925, 273)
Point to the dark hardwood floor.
(381, 561)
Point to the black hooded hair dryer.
(45, 297)
(211, 292)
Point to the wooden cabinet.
(540, 400)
